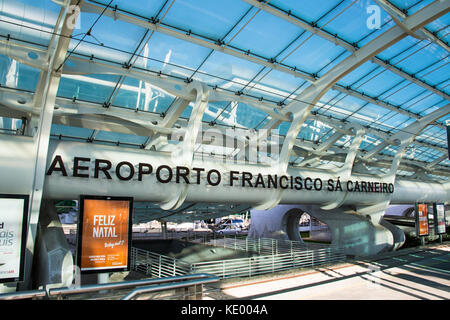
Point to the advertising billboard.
(104, 237)
(439, 218)
(13, 233)
(421, 219)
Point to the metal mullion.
(123, 77)
(222, 39)
(303, 42)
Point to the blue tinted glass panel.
(212, 19)
(93, 88)
(265, 28)
(307, 10)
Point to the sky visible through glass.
(377, 97)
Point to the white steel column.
(44, 101)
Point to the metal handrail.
(23, 295)
(125, 285)
(171, 286)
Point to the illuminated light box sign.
(439, 218)
(422, 219)
(104, 240)
(13, 234)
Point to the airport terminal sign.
(125, 171)
(13, 230)
(105, 239)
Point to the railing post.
(273, 263)
(174, 267)
(199, 292)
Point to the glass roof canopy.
(380, 94)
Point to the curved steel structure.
(207, 110)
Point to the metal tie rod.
(126, 284)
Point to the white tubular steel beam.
(301, 110)
(94, 116)
(44, 102)
(267, 7)
(72, 182)
(406, 136)
(313, 93)
(29, 55)
(178, 88)
(389, 6)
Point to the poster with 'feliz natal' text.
(104, 242)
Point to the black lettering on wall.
(160, 178)
(183, 174)
(77, 168)
(119, 174)
(141, 170)
(53, 166)
(103, 169)
(218, 179)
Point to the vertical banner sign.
(13, 234)
(421, 219)
(104, 239)
(439, 218)
(448, 138)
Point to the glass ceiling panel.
(441, 28)
(229, 68)
(434, 135)
(212, 19)
(381, 84)
(151, 98)
(249, 116)
(307, 10)
(422, 102)
(263, 29)
(407, 44)
(351, 21)
(106, 33)
(419, 57)
(16, 75)
(402, 93)
(369, 142)
(313, 54)
(92, 88)
(373, 112)
(263, 34)
(434, 107)
(121, 138)
(144, 8)
(29, 20)
(360, 74)
(269, 85)
(176, 52)
(417, 5)
(437, 74)
(67, 131)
